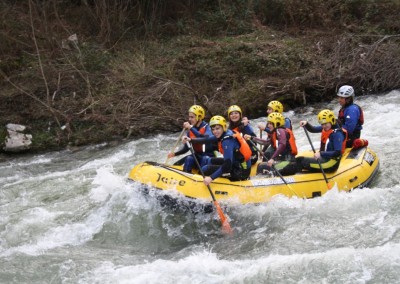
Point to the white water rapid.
(73, 217)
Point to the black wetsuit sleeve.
(312, 128)
(181, 151)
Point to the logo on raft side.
(170, 181)
(369, 158)
(272, 181)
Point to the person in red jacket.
(282, 147)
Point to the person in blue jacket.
(351, 116)
(196, 127)
(333, 143)
(235, 164)
(241, 124)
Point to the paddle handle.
(176, 144)
(319, 162)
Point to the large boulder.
(16, 140)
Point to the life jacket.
(325, 137)
(244, 149)
(239, 129)
(360, 119)
(198, 148)
(290, 137)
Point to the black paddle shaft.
(200, 169)
(319, 162)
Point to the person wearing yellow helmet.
(333, 143)
(195, 127)
(235, 163)
(281, 144)
(240, 124)
(275, 106)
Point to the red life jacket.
(244, 147)
(325, 136)
(290, 137)
(198, 148)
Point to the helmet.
(276, 106)
(234, 108)
(346, 91)
(326, 116)
(198, 111)
(276, 119)
(218, 120)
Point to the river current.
(73, 217)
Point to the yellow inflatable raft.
(357, 169)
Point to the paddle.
(176, 144)
(261, 146)
(226, 227)
(319, 162)
(276, 171)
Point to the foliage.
(96, 70)
(349, 14)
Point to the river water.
(73, 217)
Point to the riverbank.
(73, 86)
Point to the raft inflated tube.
(359, 143)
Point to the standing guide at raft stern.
(351, 115)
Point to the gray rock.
(16, 141)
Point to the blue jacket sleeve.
(351, 117)
(288, 123)
(198, 134)
(248, 130)
(228, 145)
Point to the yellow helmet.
(326, 116)
(218, 120)
(276, 106)
(276, 119)
(234, 108)
(198, 111)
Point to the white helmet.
(346, 91)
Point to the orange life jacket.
(325, 136)
(244, 147)
(291, 139)
(198, 148)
